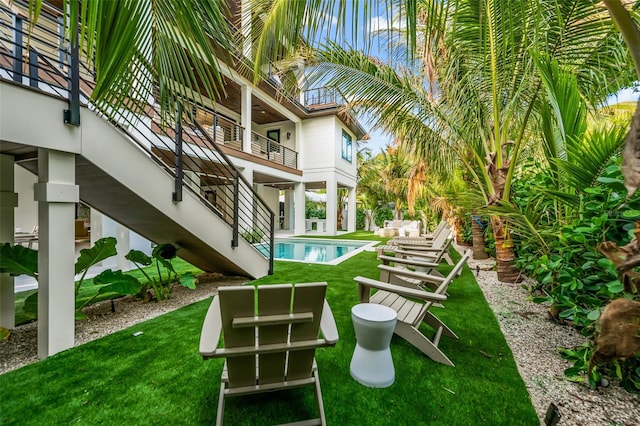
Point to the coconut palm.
(167, 49)
(469, 87)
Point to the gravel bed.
(22, 347)
(531, 335)
(534, 340)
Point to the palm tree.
(168, 49)
(469, 88)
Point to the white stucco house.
(210, 182)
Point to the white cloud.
(379, 23)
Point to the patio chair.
(269, 340)
(441, 227)
(400, 274)
(434, 252)
(413, 304)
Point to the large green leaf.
(101, 250)
(136, 256)
(18, 260)
(188, 280)
(4, 333)
(165, 251)
(31, 306)
(117, 282)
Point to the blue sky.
(379, 140)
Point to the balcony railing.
(322, 97)
(220, 129)
(271, 150)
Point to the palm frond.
(133, 46)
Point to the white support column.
(351, 210)
(56, 193)
(299, 209)
(247, 173)
(96, 226)
(332, 205)
(245, 117)
(8, 201)
(288, 210)
(123, 245)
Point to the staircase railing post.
(17, 50)
(236, 208)
(177, 193)
(33, 68)
(72, 115)
(215, 129)
(271, 242)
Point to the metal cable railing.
(322, 97)
(271, 150)
(185, 148)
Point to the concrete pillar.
(351, 211)
(247, 173)
(245, 117)
(123, 245)
(8, 202)
(96, 226)
(56, 193)
(332, 205)
(299, 208)
(288, 210)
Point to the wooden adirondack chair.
(410, 271)
(413, 304)
(269, 340)
(441, 227)
(427, 251)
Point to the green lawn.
(159, 378)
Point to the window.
(274, 135)
(347, 147)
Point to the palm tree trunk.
(505, 254)
(479, 247)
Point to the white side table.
(371, 364)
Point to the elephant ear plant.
(19, 260)
(162, 255)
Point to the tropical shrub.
(382, 214)
(19, 260)
(574, 277)
(254, 236)
(361, 216)
(312, 210)
(162, 286)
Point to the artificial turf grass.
(159, 377)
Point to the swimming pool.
(315, 250)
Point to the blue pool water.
(317, 250)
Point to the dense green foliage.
(381, 214)
(159, 377)
(315, 210)
(360, 218)
(572, 275)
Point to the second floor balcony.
(229, 134)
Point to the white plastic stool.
(371, 363)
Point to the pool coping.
(365, 247)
